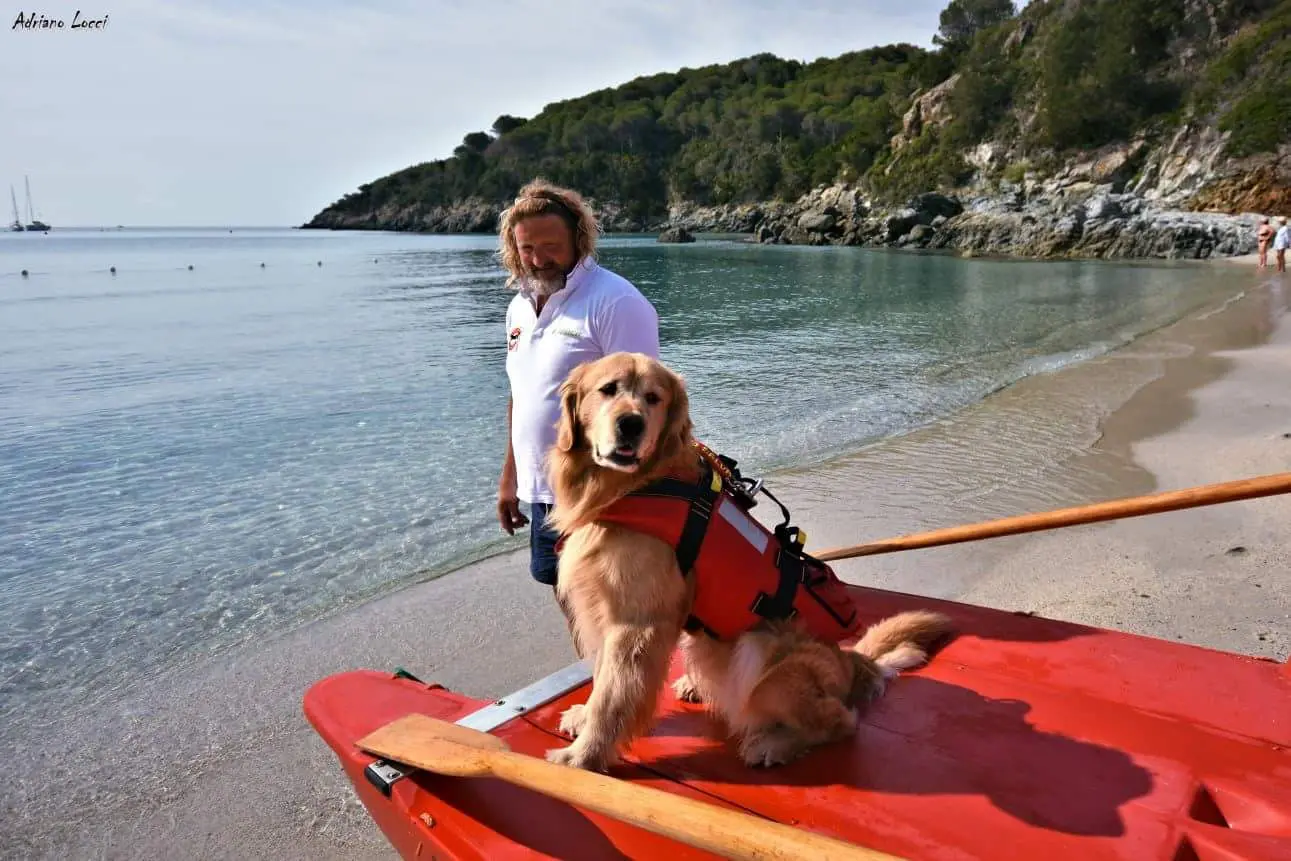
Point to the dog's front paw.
(578, 756)
(686, 691)
(573, 719)
(765, 751)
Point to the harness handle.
(745, 489)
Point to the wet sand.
(1218, 576)
(218, 762)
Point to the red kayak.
(1024, 738)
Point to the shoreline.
(219, 761)
(1106, 410)
(1214, 576)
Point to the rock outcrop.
(676, 234)
(737, 218)
(1261, 184)
(928, 109)
(1127, 200)
(1064, 216)
(472, 215)
(1101, 225)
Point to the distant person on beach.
(568, 309)
(1280, 244)
(1264, 235)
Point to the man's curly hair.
(540, 197)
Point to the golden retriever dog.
(625, 422)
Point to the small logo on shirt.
(513, 340)
(567, 332)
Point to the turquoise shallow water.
(194, 458)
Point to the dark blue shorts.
(542, 545)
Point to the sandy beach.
(220, 762)
(1218, 576)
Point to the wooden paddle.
(1207, 494)
(446, 748)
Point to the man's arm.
(509, 515)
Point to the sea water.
(241, 430)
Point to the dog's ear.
(677, 427)
(569, 432)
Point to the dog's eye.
(651, 398)
(609, 389)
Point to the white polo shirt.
(595, 314)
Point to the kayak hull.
(1023, 738)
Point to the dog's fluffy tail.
(903, 641)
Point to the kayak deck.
(1023, 738)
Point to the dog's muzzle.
(628, 430)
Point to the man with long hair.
(568, 309)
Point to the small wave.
(1224, 306)
(1057, 361)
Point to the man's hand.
(509, 514)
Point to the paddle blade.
(434, 745)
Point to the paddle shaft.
(725, 832)
(1209, 494)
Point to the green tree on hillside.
(963, 19)
(507, 123)
(1099, 71)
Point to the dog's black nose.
(631, 426)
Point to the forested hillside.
(1038, 88)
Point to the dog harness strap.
(780, 605)
(703, 497)
(671, 487)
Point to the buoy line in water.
(112, 270)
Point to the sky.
(189, 113)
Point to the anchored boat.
(16, 224)
(33, 223)
(1024, 738)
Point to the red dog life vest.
(744, 572)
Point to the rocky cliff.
(1182, 200)
(471, 215)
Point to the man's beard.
(545, 282)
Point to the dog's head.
(627, 411)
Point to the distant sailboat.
(17, 222)
(33, 223)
